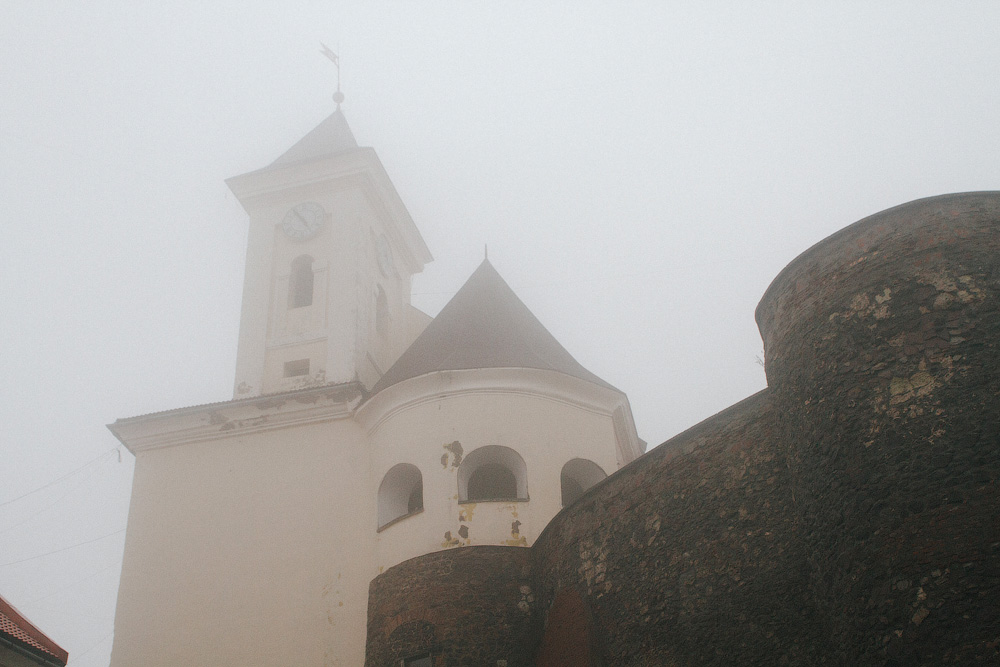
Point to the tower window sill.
(493, 500)
(398, 519)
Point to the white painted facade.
(254, 527)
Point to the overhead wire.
(57, 591)
(76, 657)
(52, 504)
(56, 551)
(89, 463)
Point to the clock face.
(384, 255)
(304, 221)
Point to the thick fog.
(640, 173)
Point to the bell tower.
(330, 254)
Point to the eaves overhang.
(213, 421)
(546, 384)
(21, 636)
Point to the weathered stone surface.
(468, 606)
(897, 458)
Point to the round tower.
(485, 427)
(881, 347)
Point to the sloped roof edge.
(330, 137)
(485, 325)
(19, 631)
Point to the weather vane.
(338, 96)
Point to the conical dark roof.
(331, 136)
(485, 325)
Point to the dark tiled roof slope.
(16, 629)
(485, 325)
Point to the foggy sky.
(640, 173)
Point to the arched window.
(577, 476)
(492, 480)
(381, 312)
(492, 473)
(300, 282)
(400, 494)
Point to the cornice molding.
(214, 421)
(550, 385)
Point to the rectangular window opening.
(296, 368)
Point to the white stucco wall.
(546, 417)
(248, 550)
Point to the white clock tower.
(331, 251)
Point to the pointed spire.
(330, 137)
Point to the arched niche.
(491, 474)
(300, 282)
(400, 494)
(577, 476)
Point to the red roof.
(17, 630)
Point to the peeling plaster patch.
(942, 282)
(463, 532)
(317, 379)
(466, 511)
(943, 300)
(915, 386)
(516, 538)
(329, 594)
(862, 306)
(455, 448)
(450, 541)
(527, 597)
(243, 423)
(962, 288)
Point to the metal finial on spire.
(338, 96)
(486, 251)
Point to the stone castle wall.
(845, 515)
(466, 606)
(882, 345)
